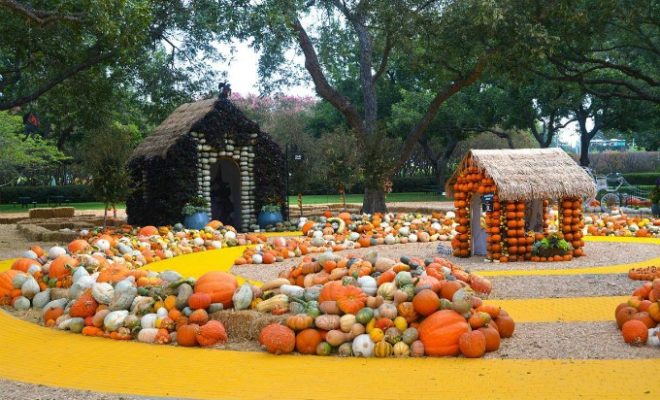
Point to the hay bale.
(63, 212)
(41, 213)
(245, 325)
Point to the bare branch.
(323, 87)
(41, 17)
(95, 58)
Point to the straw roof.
(528, 174)
(214, 117)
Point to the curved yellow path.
(73, 361)
(34, 354)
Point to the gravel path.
(575, 340)
(521, 287)
(13, 243)
(12, 390)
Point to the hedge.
(399, 185)
(40, 194)
(642, 178)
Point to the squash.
(409, 336)
(123, 297)
(186, 335)
(346, 322)
(403, 278)
(386, 290)
(327, 322)
(41, 299)
(364, 315)
(103, 292)
(472, 344)
(30, 287)
(114, 320)
(147, 335)
(183, 295)
(21, 303)
(401, 349)
(293, 291)
(279, 301)
(242, 297)
(277, 339)
(440, 333)
(307, 340)
(345, 350)
(336, 337)
(220, 285)
(329, 307)
(362, 346)
(417, 349)
(85, 306)
(148, 321)
(426, 302)
(211, 334)
(351, 300)
(74, 325)
(323, 349)
(299, 322)
(387, 310)
(202, 301)
(383, 349)
(368, 285)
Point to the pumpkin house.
(501, 200)
(208, 148)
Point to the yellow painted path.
(565, 309)
(73, 361)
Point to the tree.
(105, 154)
(446, 45)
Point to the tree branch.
(418, 130)
(389, 43)
(41, 17)
(95, 58)
(323, 88)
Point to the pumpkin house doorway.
(226, 192)
(479, 236)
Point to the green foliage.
(642, 178)
(25, 158)
(105, 153)
(550, 246)
(195, 205)
(42, 194)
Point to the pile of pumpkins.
(621, 225)
(86, 294)
(345, 232)
(638, 318)
(380, 307)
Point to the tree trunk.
(585, 141)
(105, 215)
(374, 199)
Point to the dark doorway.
(226, 192)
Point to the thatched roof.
(527, 174)
(214, 116)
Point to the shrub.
(642, 178)
(40, 194)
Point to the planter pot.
(266, 218)
(655, 209)
(196, 221)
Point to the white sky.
(241, 69)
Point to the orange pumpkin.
(449, 288)
(199, 301)
(7, 286)
(492, 338)
(331, 291)
(277, 339)
(212, 333)
(472, 344)
(307, 340)
(113, 273)
(351, 300)
(505, 325)
(23, 264)
(199, 317)
(186, 335)
(85, 306)
(635, 332)
(52, 314)
(440, 333)
(148, 230)
(426, 302)
(62, 267)
(78, 246)
(219, 285)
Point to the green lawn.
(10, 208)
(311, 199)
(357, 198)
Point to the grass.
(307, 200)
(12, 208)
(357, 198)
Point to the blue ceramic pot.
(266, 218)
(196, 221)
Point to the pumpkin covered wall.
(181, 159)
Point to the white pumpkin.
(147, 335)
(389, 239)
(148, 321)
(55, 252)
(243, 297)
(451, 215)
(363, 346)
(19, 280)
(102, 244)
(33, 269)
(103, 292)
(30, 254)
(412, 238)
(115, 319)
(291, 291)
(654, 337)
(257, 259)
(21, 303)
(79, 273)
(230, 235)
(353, 236)
(198, 241)
(404, 231)
(346, 322)
(368, 285)
(75, 325)
(30, 287)
(41, 299)
(216, 244)
(161, 312)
